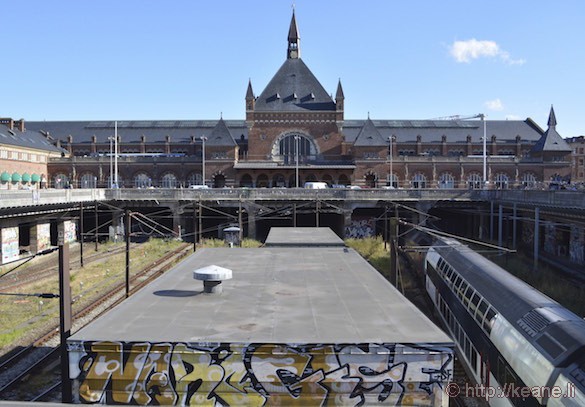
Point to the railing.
(559, 199)
(20, 198)
(162, 194)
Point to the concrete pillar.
(251, 221)
(40, 237)
(514, 225)
(536, 235)
(346, 221)
(492, 220)
(116, 229)
(500, 224)
(179, 224)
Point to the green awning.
(5, 177)
(26, 177)
(15, 177)
(35, 178)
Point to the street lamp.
(390, 140)
(482, 116)
(111, 162)
(203, 140)
(297, 137)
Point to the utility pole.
(240, 223)
(200, 221)
(95, 212)
(81, 234)
(64, 313)
(127, 253)
(194, 228)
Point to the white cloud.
(495, 104)
(466, 51)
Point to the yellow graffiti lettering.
(155, 374)
(203, 373)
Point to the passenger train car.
(523, 347)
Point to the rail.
(22, 198)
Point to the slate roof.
(551, 140)
(26, 139)
(132, 131)
(431, 131)
(294, 88)
(370, 136)
(220, 135)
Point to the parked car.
(198, 187)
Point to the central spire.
(294, 49)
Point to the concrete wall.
(260, 373)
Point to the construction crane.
(468, 117)
(459, 117)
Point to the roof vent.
(212, 277)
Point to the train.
(518, 346)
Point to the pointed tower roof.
(369, 135)
(293, 31)
(339, 93)
(551, 140)
(249, 92)
(220, 135)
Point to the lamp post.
(116, 154)
(111, 162)
(203, 140)
(297, 137)
(390, 140)
(482, 116)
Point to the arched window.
(370, 180)
(529, 180)
(195, 179)
(142, 180)
(446, 180)
(292, 144)
(88, 181)
(60, 181)
(328, 179)
(112, 184)
(262, 181)
(168, 181)
(218, 181)
(278, 180)
(501, 181)
(246, 181)
(419, 181)
(474, 181)
(343, 180)
(392, 180)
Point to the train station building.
(296, 131)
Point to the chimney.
(20, 124)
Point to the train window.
(473, 359)
(467, 295)
(481, 309)
(457, 282)
(488, 321)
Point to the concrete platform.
(293, 325)
(302, 237)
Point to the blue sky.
(187, 59)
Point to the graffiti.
(359, 229)
(549, 237)
(9, 240)
(577, 245)
(259, 374)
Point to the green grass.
(23, 317)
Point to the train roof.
(276, 295)
(542, 320)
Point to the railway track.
(36, 272)
(19, 368)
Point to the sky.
(191, 59)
